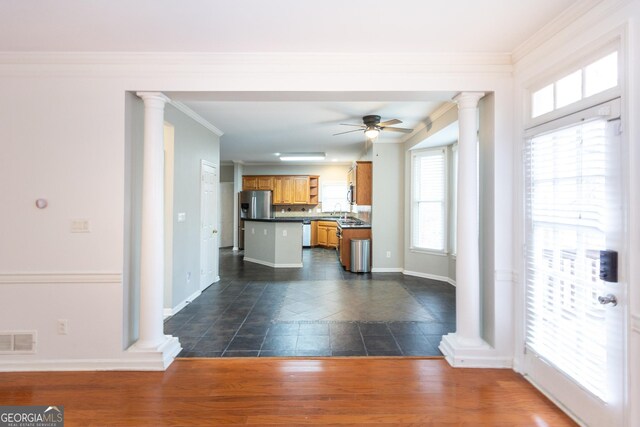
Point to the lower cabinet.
(345, 243)
(326, 234)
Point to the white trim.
(430, 276)
(567, 17)
(132, 360)
(195, 116)
(171, 311)
(386, 270)
(555, 401)
(635, 323)
(59, 278)
(505, 276)
(270, 264)
(105, 63)
(481, 356)
(428, 251)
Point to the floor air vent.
(17, 342)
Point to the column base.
(463, 354)
(157, 358)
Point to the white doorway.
(209, 224)
(575, 209)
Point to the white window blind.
(454, 201)
(429, 182)
(566, 172)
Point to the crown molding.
(195, 116)
(568, 17)
(128, 63)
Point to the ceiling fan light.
(372, 133)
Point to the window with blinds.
(334, 197)
(429, 192)
(566, 173)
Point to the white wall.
(387, 207)
(192, 144)
(64, 117)
(441, 267)
(551, 54)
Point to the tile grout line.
(245, 318)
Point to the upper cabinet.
(257, 182)
(287, 189)
(360, 183)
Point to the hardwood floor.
(354, 391)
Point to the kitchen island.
(274, 242)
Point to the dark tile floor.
(318, 310)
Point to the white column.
(152, 245)
(468, 256)
(466, 347)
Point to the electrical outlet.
(265, 231)
(63, 326)
(253, 230)
(284, 233)
(188, 276)
(388, 254)
(80, 226)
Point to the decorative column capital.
(468, 99)
(153, 99)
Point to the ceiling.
(354, 26)
(259, 125)
(256, 126)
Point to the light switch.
(80, 226)
(253, 230)
(182, 217)
(284, 233)
(265, 231)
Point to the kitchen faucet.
(337, 210)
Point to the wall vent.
(17, 342)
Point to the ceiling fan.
(372, 126)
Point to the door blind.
(566, 173)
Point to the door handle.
(608, 299)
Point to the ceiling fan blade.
(349, 131)
(350, 124)
(390, 122)
(402, 130)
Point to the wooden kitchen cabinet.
(327, 234)
(265, 182)
(360, 176)
(249, 183)
(257, 182)
(282, 190)
(314, 233)
(345, 243)
(300, 190)
(287, 189)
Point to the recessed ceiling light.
(276, 154)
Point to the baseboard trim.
(481, 356)
(386, 270)
(270, 264)
(132, 360)
(430, 276)
(171, 311)
(59, 278)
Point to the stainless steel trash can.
(361, 255)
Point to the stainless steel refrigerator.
(253, 205)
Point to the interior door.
(209, 225)
(575, 320)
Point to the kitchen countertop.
(341, 223)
